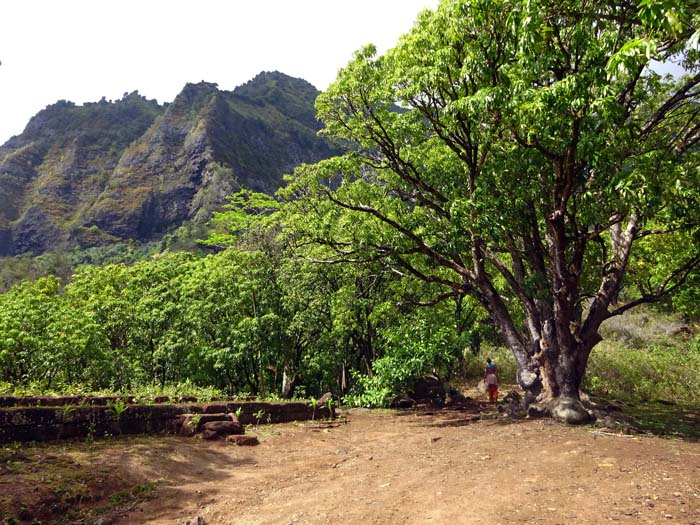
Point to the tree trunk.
(289, 382)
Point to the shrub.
(370, 392)
(412, 349)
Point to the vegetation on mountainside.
(110, 172)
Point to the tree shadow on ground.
(456, 415)
(659, 419)
(666, 420)
(54, 481)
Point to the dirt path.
(417, 468)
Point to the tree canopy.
(525, 154)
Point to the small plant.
(238, 412)
(140, 492)
(66, 411)
(90, 438)
(118, 408)
(194, 422)
(329, 405)
(258, 416)
(313, 407)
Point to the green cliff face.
(133, 169)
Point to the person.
(491, 380)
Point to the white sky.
(82, 50)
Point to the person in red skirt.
(491, 380)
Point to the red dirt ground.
(387, 467)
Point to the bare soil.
(371, 467)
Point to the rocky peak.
(133, 169)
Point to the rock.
(214, 409)
(243, 441)
(210, 435)
(600, 404)
(188, 428)
(199, 520)
(606, 422)
(516, 410)
(428, 388)
(616, 423)
(401, 402)
(224, 427)
(209, 418)
(568, 410)
(454, 397)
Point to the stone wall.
(45, 423)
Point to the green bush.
(659, 372)
(370, 392)
(413, 349)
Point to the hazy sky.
(82, 50)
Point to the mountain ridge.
(109, 171)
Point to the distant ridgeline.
(106, 172)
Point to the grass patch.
(670, 373)
(140, 492)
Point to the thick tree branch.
(423, 247)
(670, 104)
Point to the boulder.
(428, 388)
(243, 441)
(401, 402)
(224, 427)
(568, 410)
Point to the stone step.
(187, 425)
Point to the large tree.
(524, 153)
